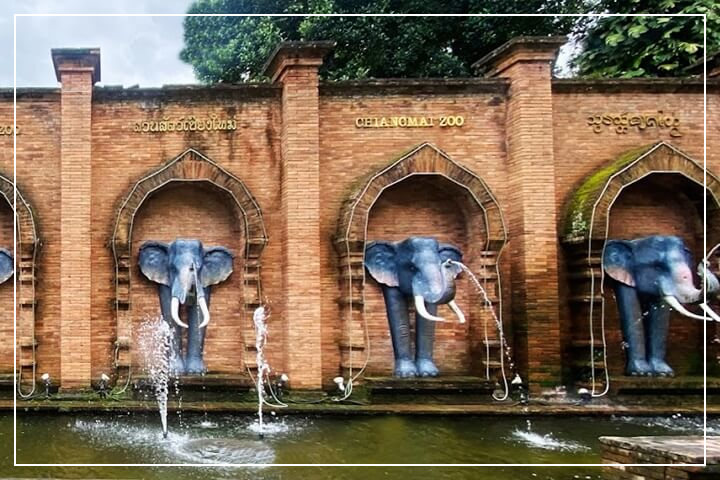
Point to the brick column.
(533, 251)
(77, 70)
(295, 66)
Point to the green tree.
(232, 49)
(647, 46)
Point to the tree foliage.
(232, 49)
(647, 46)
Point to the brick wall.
(38, 171)
(660, 204)
(300, 166)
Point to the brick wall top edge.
(29, 93)
(199, 92)
(632, 85)
(412, 86)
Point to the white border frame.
(263, 465)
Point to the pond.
(197, 438)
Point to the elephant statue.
(185, 272)
(650, 275)
(7, 265)
(420, 268)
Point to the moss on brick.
(581, 205)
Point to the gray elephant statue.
(651, 275)
(7, 265)
(185, 272)
(422, 269)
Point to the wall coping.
(235, 90)
(526, 48)
(76, 59)
(632, 85)
(296, 53)
(414, 86)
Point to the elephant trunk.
(422, 310)
(175, 312)
(709, 280)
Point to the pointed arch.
(425, 159)
(428, 160)
(189, 166)
(589, 206)
(28, 245)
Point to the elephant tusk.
(456, 310)
(201, 301)
(674, 303)
(175, 312)
(205, 312)
(711, 313)
(422, 311)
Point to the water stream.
(505, 348)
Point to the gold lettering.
(412, 121)
(622, 122)
(182, 124)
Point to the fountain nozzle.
(103, 385)
(46, 381)
(340, 382)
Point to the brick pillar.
(77, 70)
(295, 66)
(527, 63)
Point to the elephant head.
(185, 272)
(7, 265)
(423, 269)
(658, 266)
(649, 275)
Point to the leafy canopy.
(233, 49)
(647, 46)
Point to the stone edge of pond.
(70, 406)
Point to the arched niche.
(469, 209)
(654, 189)
(199, 175)
(28, 243)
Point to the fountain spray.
(259, 319)
(155, 345)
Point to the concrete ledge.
(684, 456)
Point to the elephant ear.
(7, 265)
(153, 262)
(451, 252)
(217, 265)
(618, 261)
(381, 263)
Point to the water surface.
(137, 438)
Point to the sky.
(140, 51)
(134, 50)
